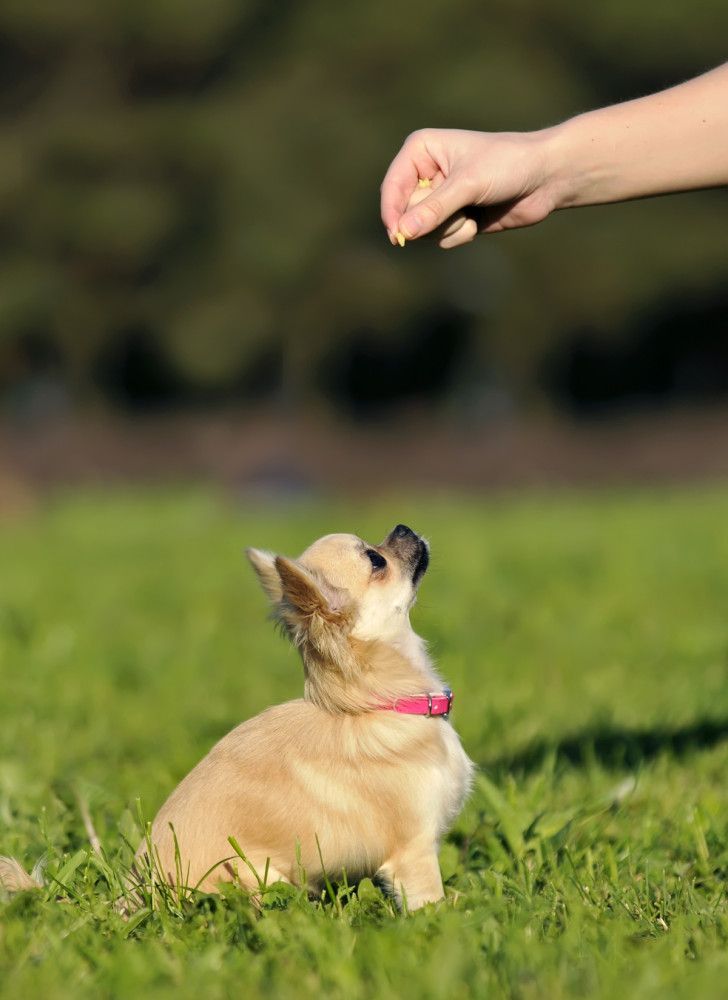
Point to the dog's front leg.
(414, 875)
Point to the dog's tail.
(15, 878)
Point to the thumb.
(430, 208)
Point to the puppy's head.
(343, 589)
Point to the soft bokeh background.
(194, 283)
(189, 229)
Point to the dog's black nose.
(402, 531)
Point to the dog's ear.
(309, 594)
(314, 614)
(317, 618)
(281, 577)
(264, 564)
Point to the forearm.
(675, 140)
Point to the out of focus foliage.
(189, 199)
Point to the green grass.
(586, 640)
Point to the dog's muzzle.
(412, 550)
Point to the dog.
(361, 776)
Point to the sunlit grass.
(586, 639)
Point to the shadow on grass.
(614, 748)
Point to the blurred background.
(194, 280)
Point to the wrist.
(572, 172)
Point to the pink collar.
(439, 703)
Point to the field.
(586, 638)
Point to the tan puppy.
(357, 776)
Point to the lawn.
(586, 639)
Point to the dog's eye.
(377, 561)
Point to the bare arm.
(675, 140)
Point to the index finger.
(410, 164)
(397, 187)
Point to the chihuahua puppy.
(364, 774)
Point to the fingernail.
(411, 228)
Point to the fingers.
(461, 229)
(433, 211)
(409, 212)
(420, 192)
(397, 190)
(409, 165)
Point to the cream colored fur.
(14, 877)
(331, 776)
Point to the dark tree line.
(189, 206)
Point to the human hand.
(480, 182)
(485, 182)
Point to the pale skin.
(488, 182)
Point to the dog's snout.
(401, 537)
(402, 531)
(410, 549)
